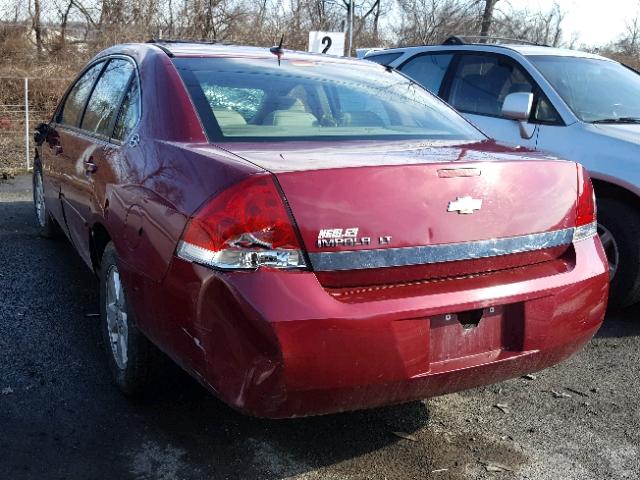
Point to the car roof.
(525, 50)
(530, 50)
(206, 49)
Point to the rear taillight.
(586, 226)
(244, 227)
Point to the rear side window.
(481, 83)
(428, 70)
(105, 99)
(129, 112)
(383, 58)
(74, 104)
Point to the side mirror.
(41, 132)
(517, 106)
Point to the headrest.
(288, 103)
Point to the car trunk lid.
(419, 213)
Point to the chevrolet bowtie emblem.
(465, 205)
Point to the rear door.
(428, 69)
(90, 146)
(477, 87)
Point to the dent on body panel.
(156, 187)
(111, 171)
(147, 226)
(184, 176)
(236, 349)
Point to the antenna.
(277, 49)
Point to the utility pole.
(27, 131)
(350, 27)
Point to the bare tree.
(487, 17)
(432, 21)
(541, 27)
(36, 24)
(629, 43)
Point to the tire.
(132, 358)
(619, 230)
(47, 226)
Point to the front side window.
(481, 83)
(256, 99)
(544, 112)
(428, 70)
(595, 90)
(73, 107)
(106, 95)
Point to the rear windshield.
(240, 99)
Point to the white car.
(572, 104)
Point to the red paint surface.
(284, 343)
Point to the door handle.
(57, 149)
(89, 166)
(134, 141)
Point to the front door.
(477, 86)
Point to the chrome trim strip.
(444, 252)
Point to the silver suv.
(572, 104)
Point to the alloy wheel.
(117, 319)
(41, 211)
(610, 248)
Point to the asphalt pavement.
(61, 417)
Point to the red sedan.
(309, 234)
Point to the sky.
(596, 22)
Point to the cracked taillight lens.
(244, 227)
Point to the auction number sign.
(331, 43)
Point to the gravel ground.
(60, 417)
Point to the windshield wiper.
(618, 120)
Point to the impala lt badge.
(346, 237)
(465, 205)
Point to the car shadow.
(247, 447)
(621, 323)
(63, 399)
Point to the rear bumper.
(277, 344)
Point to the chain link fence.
(24, 102)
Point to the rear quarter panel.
(147, 193)
(144, 192)
(165, 184)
